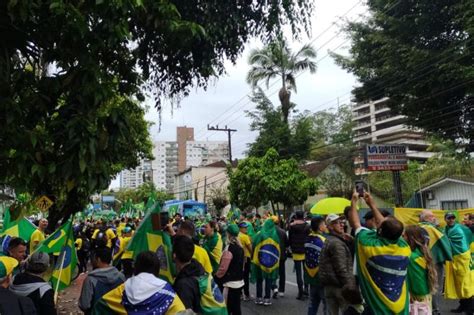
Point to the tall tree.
(259, 180)
(291, 140)
(420, 54)
(72, 74)
(276, 60)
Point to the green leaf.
(82, 165)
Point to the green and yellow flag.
(150, 237)
(213, 246)
(459, 280)
(438, 244)
(266, 254)
(20, 227)
(212, 300)
(382, 271)
(417, 275)
(62, 242)
(312, 250)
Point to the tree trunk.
(75, 202)
(284, 97)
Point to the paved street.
(284, 306)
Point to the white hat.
(333, 217)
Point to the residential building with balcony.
(374, 122)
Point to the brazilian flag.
(150, 237)
(20, 227)
(212, 300)
(213, 246)
(312, 247)
(418, 275)
(62, 242)
(266, 254)
(459, 280)
(439, 243)
(382, 271)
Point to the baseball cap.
(333, 217)
(38, 259)
(243, 225)
(126, 229)
(233, 229)
(450, 215)
(7, 264)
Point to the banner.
(410, 216)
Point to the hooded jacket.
(297, 234)
(97, 283)
(38, 290)
(187, 286)
(335, 264)
(12, 304)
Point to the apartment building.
(173, 157)
(374, 122)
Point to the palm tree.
(277, 60)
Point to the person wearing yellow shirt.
(38, 235)
(107, 232)
(200, 254)
(123, 243)
(246, 243)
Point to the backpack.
(101, 238)
(212, 300)
(86, 245)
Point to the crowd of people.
(341, 265)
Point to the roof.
(466, 180)
(222, 164)
(314, 169)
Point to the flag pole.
(56, 289)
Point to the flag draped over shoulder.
(417, 275)
(150, 237)
(266, 255)
(382, 271)
(439, 243)
(459, 280)
(313, 246)
(62, 242)
(212, 300)
(213, 246)
(20, 227)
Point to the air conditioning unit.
(430, 195)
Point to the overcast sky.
(225, 101)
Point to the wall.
(451, 191)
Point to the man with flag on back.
(440, 250)
(265, 261)
(382, 259)
(459, 281)
(38, 235)
(313, 246)
(144, 293)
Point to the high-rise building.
(374, 122)
(173, 157)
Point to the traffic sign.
(44, 203)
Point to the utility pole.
(229, 131)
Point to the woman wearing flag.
(265, 261)
(421, 273)
(213, 244)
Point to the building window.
(454, 204)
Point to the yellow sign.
(44, 203)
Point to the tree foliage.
(259, 180)
(276, 60)
(72, 74)
(139, 194)
(419, 54)
(290, 141)
(219, 199)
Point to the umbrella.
(330, 205)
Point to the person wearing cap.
(230, 274)
(10, 303)
(30, 283)
(335, 266)
(17, 249)
(297, 234)
(38, 235)
(246, 243)
(458, 281)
